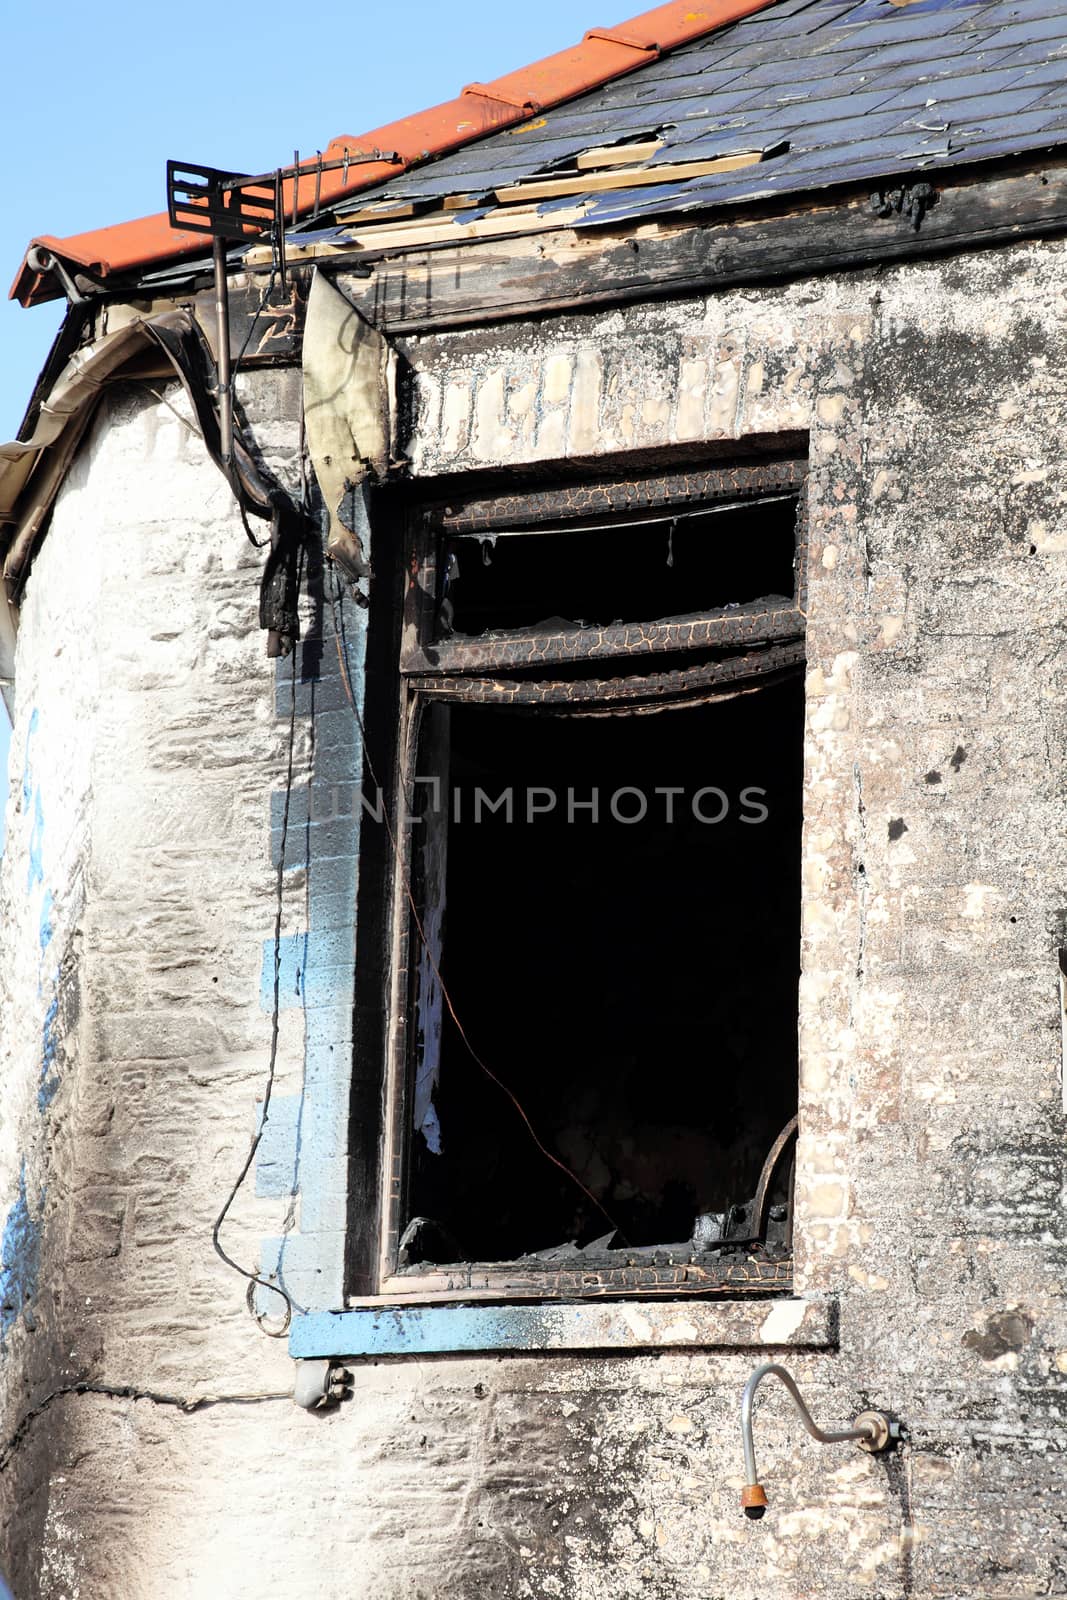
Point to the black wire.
(253, 1277)
(257, 544)
(125, 1391)
(264, 297)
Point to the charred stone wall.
(931, 1161)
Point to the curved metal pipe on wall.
(874, 1431)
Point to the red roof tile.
(603, 54)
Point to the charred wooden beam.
(727, 630)
(482, 512)
(756, 667)
(489, 280)
(402, 288)
(514, 1281)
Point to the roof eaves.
(603, 54)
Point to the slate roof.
(857, 90)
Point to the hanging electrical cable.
(254, 1278)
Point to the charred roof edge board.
(830, 232)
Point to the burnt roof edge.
(854, 226)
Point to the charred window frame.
(629, 666)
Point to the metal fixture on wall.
(38, 259)
(240, 207)
(874, 1431)
(226, 205)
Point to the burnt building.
(535, 642)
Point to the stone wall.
(137, 891)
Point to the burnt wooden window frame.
(461, 670)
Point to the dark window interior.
(634, 984)
(639, 571)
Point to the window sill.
(604, 1326)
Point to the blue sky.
(95, 100)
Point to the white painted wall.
(930, 1195)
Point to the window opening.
(619, 927)
(598, 826)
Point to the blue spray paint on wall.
(278, 1153)
(292, 966)
(20, 1243)
(35, 874)
(20, 1260)
(49, 1084)
(313, 968)
(47, 906)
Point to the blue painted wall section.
(20, 1243)
(278, 1156)
(20, 1260)
(49, 1080)
(304, 1150)
(48, 971)
(27, 781)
